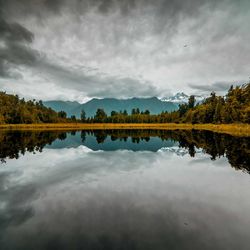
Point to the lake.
(124, 189)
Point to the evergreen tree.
(100, 116)
(83, 116)
(191, 102)
(73, 118)
(62, 114)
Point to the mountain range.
(153, 104)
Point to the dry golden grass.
(233, 129)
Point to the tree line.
(232, 108)
(14, 110)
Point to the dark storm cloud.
(14, 48)
(14, 32)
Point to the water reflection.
(124, 190)
(14, 143)
(236, 149)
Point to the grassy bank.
(233, 129)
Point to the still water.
(124, 190)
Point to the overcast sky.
(79, 49)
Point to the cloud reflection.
(74, 198)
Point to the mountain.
(154, 105)
(181, 97)
(67, 106)
(177, 98)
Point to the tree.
(73, 118)
(191, 102)
(62, 114)
(100, 116)
(83, 116)
(133, 112)
(218, 109)
(1, 119)
(113, 113)
(183, 108)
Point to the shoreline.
(232, 129)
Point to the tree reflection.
(14, 143)
(236, 149)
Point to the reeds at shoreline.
(233, 129)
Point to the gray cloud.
(167, 8)
(220, 87)
(136, 46)
(14, 32)
(97, 85)
(14, 50)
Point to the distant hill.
(154, 105)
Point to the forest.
(14, 110)
(234, 107)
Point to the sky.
(80, 49)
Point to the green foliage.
(83, 116)
(234, 107)
(73, 118)
(62, 114)
(191, 102)
(100, 116)
(14, 110)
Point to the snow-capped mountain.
(177, 98)
(181, 97)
